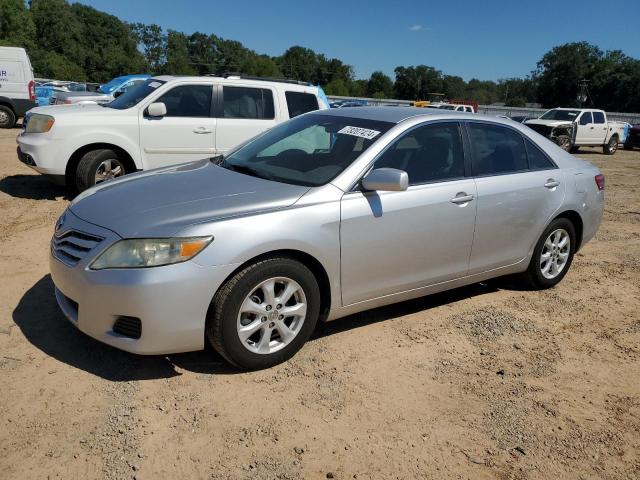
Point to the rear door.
(600, 128)
(185, 133)
(243, 112)
(519, 189)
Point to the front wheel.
(552, 255)
(611, 147)
(564, 142)
(264, 314)
(7, 117)
(98, 166)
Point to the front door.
(585, 129)
(185, 133)
(398, 241)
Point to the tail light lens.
(600, 181)
(32, 91)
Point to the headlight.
(39, 123)
(150, 252)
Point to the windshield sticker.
(360, 132)
(155, 84)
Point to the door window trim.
(509, 127)
(159, 95)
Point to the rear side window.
(598, 117)
(537, 159)
(496, 150)
(187, 101)
(244, 102)
(299, 103)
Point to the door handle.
(461, 197)
(591, 128)
(551, 183)
(201, 130)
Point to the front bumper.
(171, 302)
(43, 152)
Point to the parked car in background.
(521, 118)
(17, 86)
(456, 108)
(348, 103)
(105, 93)
(633, 138)
(164, 121)
(571, 128)
(323, 216)
(46, 91)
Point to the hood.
(59, 111)
(160, 203)
(548, 123)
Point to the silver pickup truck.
(572, 128)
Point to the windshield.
(447, 107)
(135, 95)
(310, 150)
(111, 84)
(569, 115)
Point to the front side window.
(496, 150)
(244, 102)
(188, 101)
(310, 150)
(299, 103)
(586, 119)
(598, 117)
(430, 153)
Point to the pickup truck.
(572, 128)
(105, 94)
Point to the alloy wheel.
(271, 315)
(108, 169)
(555, 253)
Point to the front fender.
(104, 137)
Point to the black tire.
(564, 142)
(221, 323)
(533, 277)
(89, 163)
(7, 117)
(611, 147)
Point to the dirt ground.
(486, 381)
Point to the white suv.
(164, 121)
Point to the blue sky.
(486, 39)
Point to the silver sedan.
(326, 215)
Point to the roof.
(258, 81)
(399, 114)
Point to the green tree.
(178, 61)
(16, 25)
(379, 85)
(337, 87)
(153, 42)
(417, 83)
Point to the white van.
(164, 121)
(17, 87)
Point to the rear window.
(299, 103)
(244, 102)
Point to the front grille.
(72, 246)
(128, 327)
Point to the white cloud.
(415, 28)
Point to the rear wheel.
(264, 314)
(7, 117)
(552, 255)
(612, 146)
(98, 166)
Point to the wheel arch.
(308, 260)
(77, 155)
(578, 224)
(7, 102)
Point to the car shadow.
(33, 187)
(43, 324)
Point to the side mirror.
(386, 179)
(158, 109)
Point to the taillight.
(32, 91)
(600, 181)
